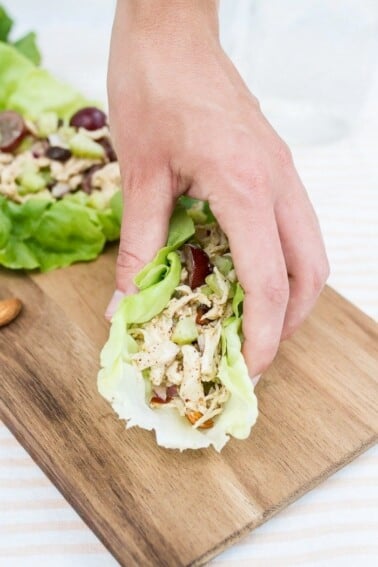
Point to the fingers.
(259, 263)
(304, 252)
(147, 209)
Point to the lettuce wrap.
(173, 360)
(55, 208)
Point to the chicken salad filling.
(49, 159)
(180, 349)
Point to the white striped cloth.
(337, 523)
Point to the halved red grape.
(198, 265)
(12, 130)
(172, 391)
(90, 118)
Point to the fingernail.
(256, 379)
(113, 304)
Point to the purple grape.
(198, 265)
(90, 118)
(12, 130)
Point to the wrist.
(179, 20)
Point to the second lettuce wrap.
(37, 229)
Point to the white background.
(337, 523)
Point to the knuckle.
(252, 184)
(311, 284)
(247, 187)
(128, 261)
(259, 179)
(284, 156)
(276, 291)
(242, 160)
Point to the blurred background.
(311, 63)
(313, 66)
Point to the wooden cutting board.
(154, 507)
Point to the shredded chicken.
(107, 177)
(191, 388)
(213, 240)
(210, 354)
(158, 354)
(72, 167)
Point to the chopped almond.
(194, 416)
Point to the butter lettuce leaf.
(44, 234)
(27, 45)
(120, 382)
(6, 24)
(181, 228)
(40, 92)
(14, 68)
(33, 91)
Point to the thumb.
(147, 209)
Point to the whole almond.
(9, 309)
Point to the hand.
(182, 120)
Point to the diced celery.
(224, 264)
(232, 290)
(185, 331)
(197, 215)
(98, 200)
(31, 182)
(211, 281)
(28, 166)
(46, 174)
(66, 133)
(25, 145)
(84, 147)
(146, 373)
(47, 124)
(206, 290)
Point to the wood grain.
(318, 410)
